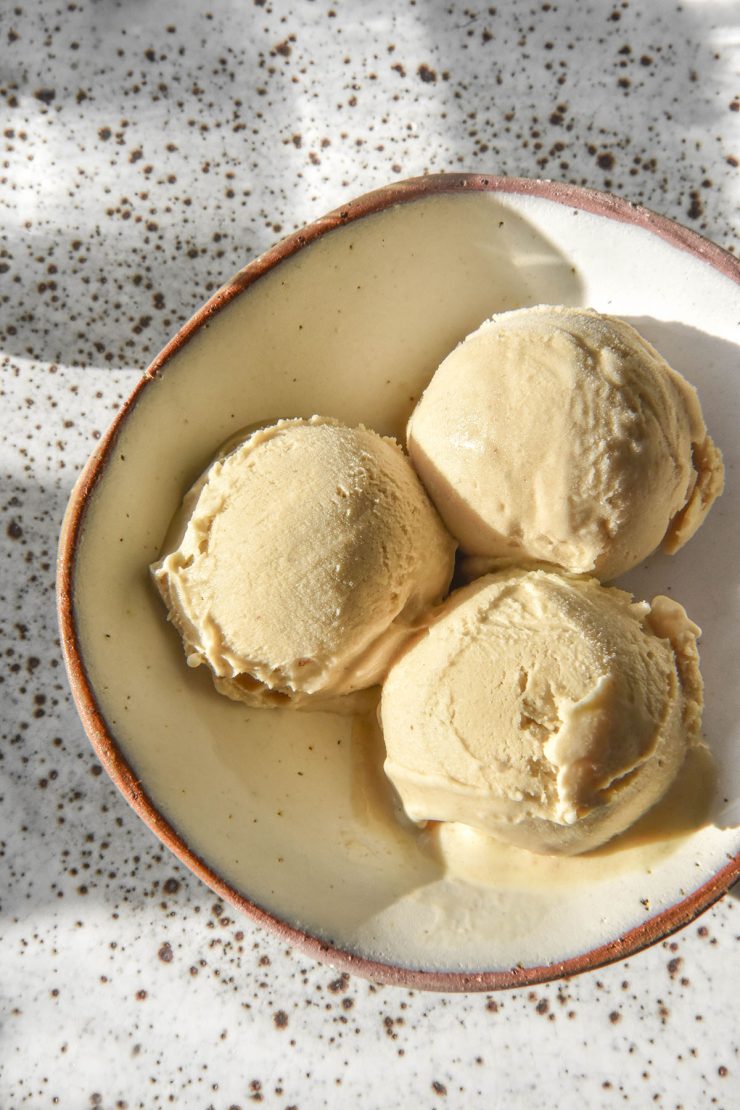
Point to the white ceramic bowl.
(286, 815)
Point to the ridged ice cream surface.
(311, 552)
(560, 434)
(546, 710)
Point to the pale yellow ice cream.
(546, 710)
(560, 435)
(310, 553)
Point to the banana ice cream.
(548, 711)
(311, 552)
(559, 435)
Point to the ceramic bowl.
(287, 815)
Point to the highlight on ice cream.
(559, 434)
(548, 711)
(311, 552)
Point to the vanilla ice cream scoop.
(545, 710)
(560, 435)
(310, 553)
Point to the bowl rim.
(101, 737)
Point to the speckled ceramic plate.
(287, 815)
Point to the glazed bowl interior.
(287, 814)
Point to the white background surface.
(142, 166)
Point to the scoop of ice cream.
(561, 435)
(310, 553)
(546, 710)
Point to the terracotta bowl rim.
(402, 192)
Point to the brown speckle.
(337, 986)
(696, 208)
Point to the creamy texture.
(548, 711)
(476, 857)
(561, 435)
(310, 554)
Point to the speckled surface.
(149, 151)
